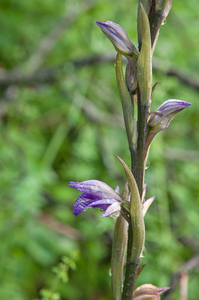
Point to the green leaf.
(127, 105)
(118, 256)
(144, 63)
(136, 215)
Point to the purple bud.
(130, 79)
(161, 118)
(118, 36)
(148, 291)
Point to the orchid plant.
(129, 207)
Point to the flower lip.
(96, 194)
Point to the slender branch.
(59, 227)
(49, 41)
(51, 74)
(163, 66)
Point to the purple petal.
(102, 204)
(83, 202)
(172, 105)
(146, 205)
(112, 210)
(117, 189)
(97, 188)
(96, 194)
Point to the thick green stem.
(130, 242)
(144, 78)
(133, 161)
(138, 169)
(130, 279)
(142, 131)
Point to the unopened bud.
(119, 38)
(130, 78)
(149, 292)
(161, 118)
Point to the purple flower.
(146, 203)
(97, 194)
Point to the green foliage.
(68, 129)
(61, 271)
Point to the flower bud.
(161, 118)
(119, 38)
(148, 292)
(130, 79)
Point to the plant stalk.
(142, 132)
(130, 279)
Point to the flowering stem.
(130, 279)
(138, 169)
(142, 130)
(137, 80)
(136, 235)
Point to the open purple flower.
(97, 194)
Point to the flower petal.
(102, 204)
(117, 189)
(144, 192)
(83, 202)
(112, 210)
(146, 205)
(97, 188)
(96, 194)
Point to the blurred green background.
(61, 121)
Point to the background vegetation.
(60, 121)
